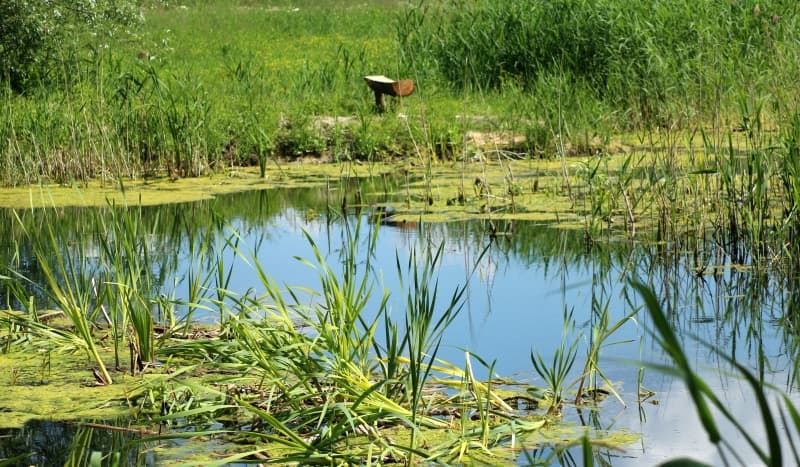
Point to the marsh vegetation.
(248, 342)
(203, 86)
(656, 145)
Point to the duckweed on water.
(624, 191)
(51, 385)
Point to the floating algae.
(51, 385)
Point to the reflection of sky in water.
(513, 307)
(509, 309)
(673, 429)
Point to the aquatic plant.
(423, 328)
(69, 285)
(555, 374)
(276, 369)
(601, 331)
(128, 282)
(103, 277)
(308, 371)
(705, 399)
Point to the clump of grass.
(129, 284)
(555, 374)
(105, 280)
(602, 329)
(68, 284)
(314, 377)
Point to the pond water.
(519, 286)
(54, 443)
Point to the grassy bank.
(209, 85)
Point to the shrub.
(36, 35)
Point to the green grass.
(212, 84)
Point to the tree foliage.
(36, 35)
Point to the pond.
(523, 279)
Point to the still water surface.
(518, 291)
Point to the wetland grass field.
(656, 145)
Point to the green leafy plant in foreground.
(319, 387)
(423, 329)
(69, 286)
(704, 399)
(555, 374)
(303, 369)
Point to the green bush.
(35, 36)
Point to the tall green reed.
(130, 285)
(789, 174)
(646, 59)
(106, 278)
(555, 374)
(423, 328)
(602, 329)
(68, 284)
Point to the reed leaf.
(67, 285)
(669, 342)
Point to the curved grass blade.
(669, 342)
